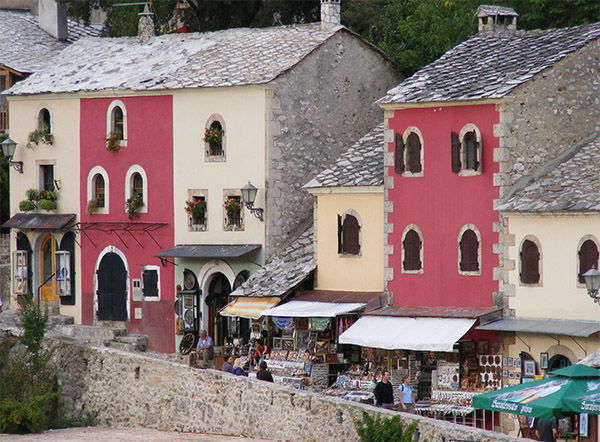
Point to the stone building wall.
(316, 110)
(131, 390)
(548, 114)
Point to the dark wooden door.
(112, 289)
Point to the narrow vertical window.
(99, 190)
(412, 251)
(414, 153)
(588, 258)
(137, 185)
(150, 282)
(350, 237)
(44, 121)
(469, 251)
(117, 122)
(471, 151)
(530, 263)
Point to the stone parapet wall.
(132, 390)
(5, 269)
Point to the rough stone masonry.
(132, 390)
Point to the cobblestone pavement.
(121, 434)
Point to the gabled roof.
(570, 182)
(25, 47)
(360, 165)
(284, 272)
(231, 57)
(490, 65)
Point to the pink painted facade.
(440, 203)
(149, 132)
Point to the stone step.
(139, 342)
(94, 333)
(124, 346)
(54, 320)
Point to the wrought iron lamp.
(592, 282)
(8, 150)
(248, 197)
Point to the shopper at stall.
(264, 374)
(384, 392)
(205, 349)
(228, 364)
(238, 367)
(260, 351)
(405, 393)
(546, 429)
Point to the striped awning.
(246, 307)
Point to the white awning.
(309, 309)
(393, 333)
(250, 307)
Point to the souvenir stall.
(447, 360)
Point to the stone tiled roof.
(361, 165)
(568, 183)
(490, 65)
(284, 272)
(495, 10)
(230, 57)
(25, 47)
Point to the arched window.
(408, 152)
(348, 234)
(116, 121)
(466, 150)
(99, 188)
(588, 258)
(469, 252)
(214, 138)
(411, 245)
(137, 185)
(43, 123)
(530, 262)
(413, 153)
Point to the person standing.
(546, 429)
(384, 392)
(405, 392)
(264, 374)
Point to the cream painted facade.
(362, 272)
(559, 294)
(243, 112)
(63, 154)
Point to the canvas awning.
(309, 309)
(250, 308)
(564, 327)
(393, 333)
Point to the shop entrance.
(558, 361)
(218, 297)
(47, 269)
(112, 288)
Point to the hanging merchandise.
(283, 322)
(319, 323)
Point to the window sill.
(197, 227)
(535, 284)
(214, 158)
(473, 273)
(412, 272)
(233, 227)
(412, 175)
(468, 172)
(350, 255)
(151, 298)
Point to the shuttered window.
(455, 150)
(150, 282)
(412, 251)
(530, 263)
(399, 154)
(469, 252)
(588, 258)
(471, 151)
(350, 238)
(340, 232)
(414, 153)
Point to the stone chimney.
(496, 19)
(145, 25)
(52, 17)
(330, 14)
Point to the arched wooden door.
(218, 292)
(112, 288)
(47, 269)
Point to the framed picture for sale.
(529, 368)
(544, 361)
(483, 347)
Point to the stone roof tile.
(490, 65)
(231, 57)
(284, 272)
(360, 165)
(25, 47)
(570, 184)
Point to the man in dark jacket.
(384, 392)
(263, 374)
(546, 429)
(228, 364)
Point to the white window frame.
(129, 185)
(91, 188)
(463, 150)
(207, 156)
(150, 298)
(110, 122)
(37, 116)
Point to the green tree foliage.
(377, 429)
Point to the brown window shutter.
(469, 248)
(339, 232)
(530, 263)
(350, 240)
(414, 153)
(588, 258)
(399, 154)
(478, 154)
(412, 251)
(455, 143)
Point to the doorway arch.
(111, 288)
(217, 298)
(48, 268)
(558, 361)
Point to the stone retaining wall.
(129, 390)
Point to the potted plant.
(113, 142)
(26, 206)
(93, 205)
(232, 207)
(47, 204)
(133, 205)
(40, 135)
(32, 194)
(48, 194)
(214, 137)
(196, 209)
